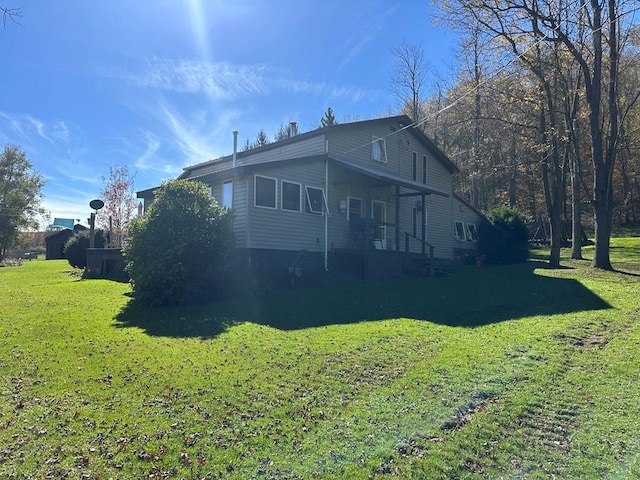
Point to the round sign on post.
(96, 204)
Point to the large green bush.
(75, 250)
(504, 237)
(178, 251)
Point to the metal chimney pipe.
(293, 129)
(235, 148)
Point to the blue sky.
(159, 85)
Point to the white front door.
(379, 215)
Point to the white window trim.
(255, 196)
(349, 198)
(455, 231)
(324, 199)
(227, 182)
(282, 182)
(379, 145)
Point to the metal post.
(92, 222)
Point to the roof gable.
(398, 124)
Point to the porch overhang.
(386, 178)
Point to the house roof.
(64, 222)
(398, 123)
(372, 173)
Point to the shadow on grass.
(470, 298)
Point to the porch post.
(397, 218)
(367, 233)
(424, 222)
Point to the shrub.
(504, 238)
(178, 251)
(75, 250)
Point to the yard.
(516, 372)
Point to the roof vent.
(293, 129)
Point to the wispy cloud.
(227, 81)
(221, 80)
(27, 130)
(365, 30)
(61, 131)
(151, 145)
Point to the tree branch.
(10, 14)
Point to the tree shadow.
(472, 297)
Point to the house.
(55, 242)
(377, 194)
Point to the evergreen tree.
(328, 118)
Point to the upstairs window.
(414, 167)
(458, 232)
(316, 201)
(379, 150)
(291, 196)
(265, 192)
(424, 169)
(227, 195)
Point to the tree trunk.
(602, 207)
(576, 210)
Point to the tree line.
(543, 114)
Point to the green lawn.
(517, 372)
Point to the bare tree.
(408, 82)
(590, 34)
(10, 14)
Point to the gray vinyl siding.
(266, 228)
(239, 208)
(355, 146)
(463, 213)
(304, 148)
(282, 229)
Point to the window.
(414, 167)
(265, 192)
(458, 232)
(227, 195)
(424, 169)
(354, 208)
(316, 201)
(379, 150)
(291, 196)
(472, 232)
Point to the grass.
(498, 372)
